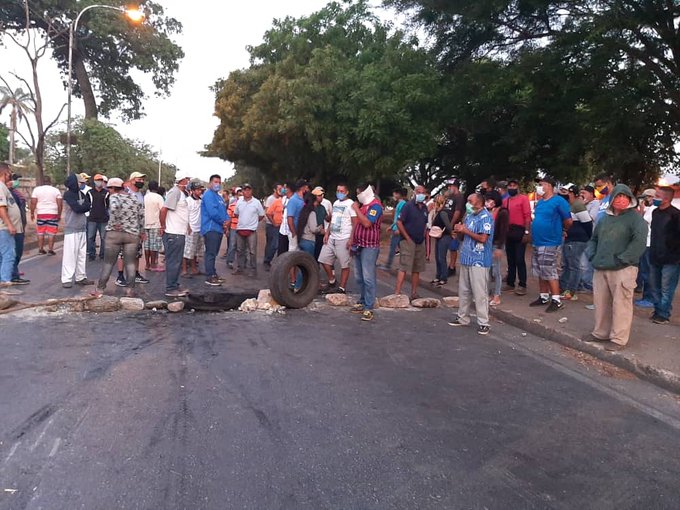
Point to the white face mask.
(366, 196)
(540, 191)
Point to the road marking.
(42, 434)
(12, 451)
(57, 442)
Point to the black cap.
(300, 183)
(513, 181)
(589, 189)
(246, 185)
(547, 178)
(15, 177)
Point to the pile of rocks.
(396, 301)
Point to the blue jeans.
(308, 247)
(643, 279)
(364, 272)
(441, 257)
(7, 255)
(174, 251)
(587, 272)
(664, 280)
(496, 273)
(231, 252)
(571, 265)
(18, 253)
(92, 228)
(272, 243)
(213, 240)
(394, 244)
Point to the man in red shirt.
(517, 237)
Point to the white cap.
(181, 175)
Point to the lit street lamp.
(134, 15)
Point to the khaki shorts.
(336, 249)
(411, 257)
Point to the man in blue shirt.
(214, 224)
(552, 219)
(295, 205)
(476, 256)
(412, 223)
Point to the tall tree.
(336, 94)
(19, 103)
(108, 49)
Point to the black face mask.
(513, 192)
(139, 185)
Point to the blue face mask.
(420, 198)
(341, 196)
(82, 186)
(216, 187)
(656, 202)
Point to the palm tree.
(21, 104)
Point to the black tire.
(279, 279)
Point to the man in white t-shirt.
(337, 243)
(153, 203)
(193, 247)
(174, 227)
(249, 212)
(46, 204)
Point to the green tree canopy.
(334, 95)
(108, 49)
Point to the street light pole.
(134, 15)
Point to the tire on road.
(279, 279)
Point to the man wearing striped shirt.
(476, 256)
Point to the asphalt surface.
(314, 409)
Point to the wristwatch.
(526, 232)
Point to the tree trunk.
(91, 110)
(40, 146)
(12, 130)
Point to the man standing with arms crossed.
(214, 224)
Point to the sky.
(214, 40)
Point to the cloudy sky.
(214, 39)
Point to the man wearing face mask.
(214, 224)
(412, 224)
(615, 249)
(174, 227)
(337, 243)
(519, 211)
(133, 187)
(552, 219)
(98, 217)
(19, 237)
(643, 282)
(366, 248)
(604, 186)
(272, 230)
(10, 225)
(664, 254)
(73, 264)
(476, 256)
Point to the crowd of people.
(601, 238)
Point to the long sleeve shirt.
(213, 213)
(126, 214)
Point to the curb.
(660, 377)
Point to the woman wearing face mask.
(501, 218)
(442, 225)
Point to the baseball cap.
(180, 176)
(137, 175)
(83, 177)
(99, 177)
(105, 179)
(453, 182)
(571, 187)
(651, 192)
(318, 191)
(547, 178)
(196, 185)
(502, 184)
(115, 182)
(513, 181)
(246, 185)
(589, 189)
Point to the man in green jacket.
(615, 249)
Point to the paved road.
(315, 409)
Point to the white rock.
(451, 301)
(249, 305)
(426, 303)
(131, 304)
(103, 304)
(176, 307)
(337, 299)
(395, 301)
(563, 320)
(265, 301)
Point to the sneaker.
(358, 308)
(590, 307)
(67, 285)
(140, 279)
(121, 281)
(367, 316)
(656, 319)
(508, 288)
(441, 283)
(84, 281)
(20, 281)
(230, 265)
(51, 252)
(213, 281)
(434, 282)
(456, 322)
(568, 295)
(554, 306)
(521, 291)
(592, 338)
(42, 252)
(539, 302)
(341, 290)
(483, 330)
(220, 279)
(643, 303)
(176, 293)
